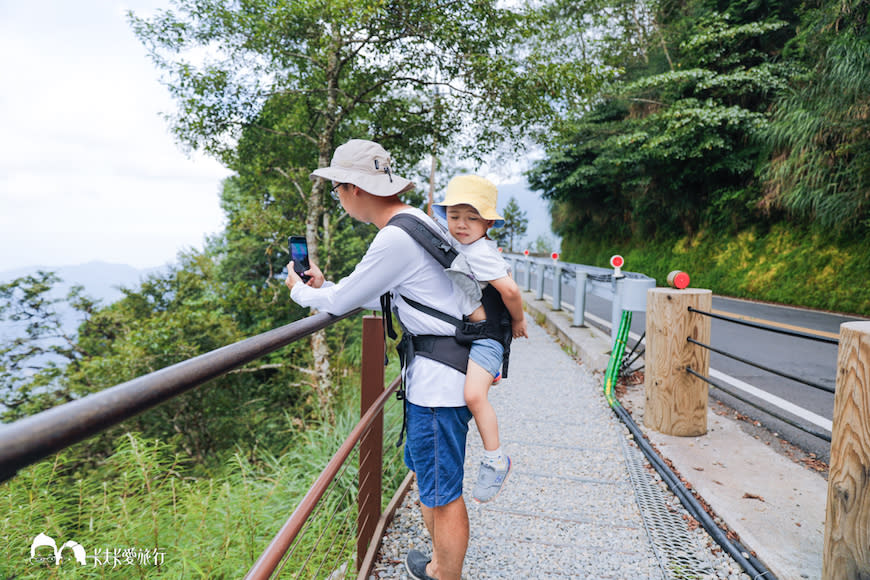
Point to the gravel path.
(580, 502)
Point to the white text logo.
(43, 540)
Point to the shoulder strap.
(437, 246)
(432, 312)
(431, 241)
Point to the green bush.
(142, 504)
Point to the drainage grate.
(677, 548)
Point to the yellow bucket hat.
(478, 192)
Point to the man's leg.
(448, 526)
(435, 451)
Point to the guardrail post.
(846, 552)
(371, 444)
(676, 401)
(557, 286)
(540, 281)
(528, 263)
(580, 298)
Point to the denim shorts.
(435, 451)
(488, 353)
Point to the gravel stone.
(569, 508)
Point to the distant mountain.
(101, 280)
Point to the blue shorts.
(488, 353)
(435, 451)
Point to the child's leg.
(477, 383)
(484, 362)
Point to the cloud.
(88, 167)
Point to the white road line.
(795, 410)
(809, 416)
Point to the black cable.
(767, 327)
(762, 367)
(738, 552)
(795, 424)
(627, 363)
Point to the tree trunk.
(316, 212)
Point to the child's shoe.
(490, 481)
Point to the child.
(469, 207)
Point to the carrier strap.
(433, 312)
(432, 242)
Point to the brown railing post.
(371, 445)
(846, 553)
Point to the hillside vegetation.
(779, 264)
(734, 143)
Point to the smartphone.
(299, 255)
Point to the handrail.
(31, 439)
(759, 326)
(271, 556)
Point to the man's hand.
(315, 281)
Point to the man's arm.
(383, 266)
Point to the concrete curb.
(776, 506)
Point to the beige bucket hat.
(474, 190)
(366, 165)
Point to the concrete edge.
(762, 526)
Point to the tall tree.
(271, 87)
(674, 143)
(515, 225)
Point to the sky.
(89, 170)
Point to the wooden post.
(676, 402)
(371, 445)
(847, 520)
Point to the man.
(437, 418)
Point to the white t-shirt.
(486, 264)
(394, 262)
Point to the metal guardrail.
(625, 290)
(31, 439)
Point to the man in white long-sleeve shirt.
(437, 418)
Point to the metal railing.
(625, 290)
(34, 438)
(821, 435)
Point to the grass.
(781, 264)
(142, 506)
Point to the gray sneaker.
(490, 481)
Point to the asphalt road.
(810, 360)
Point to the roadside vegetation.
(780, 264)
(734, 145)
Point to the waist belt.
(444, 349)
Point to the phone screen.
(299, 255)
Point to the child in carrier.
(469, 207)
